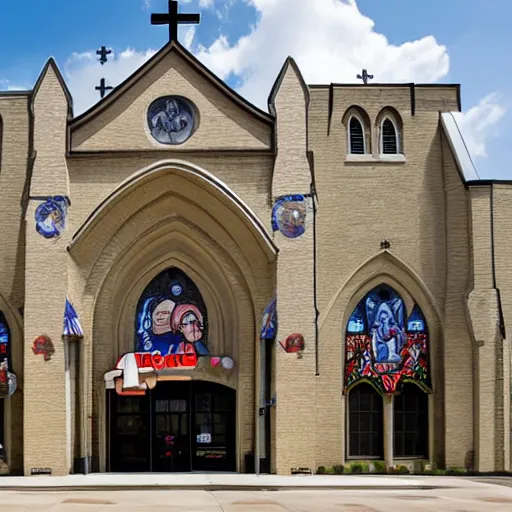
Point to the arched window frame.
(392, 115)
(397, 136)
(356, 112)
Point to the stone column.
(388, 413)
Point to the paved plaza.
(345, 494)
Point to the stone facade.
(138, 207)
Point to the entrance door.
(178, 426)
(214, 421)
(130, 433)
(171, 441)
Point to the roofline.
(137, 75)
(386, 84)
(26, 92)
(459, 149)
(486, 182)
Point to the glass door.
(129, 433)
(171, 440)
(213, 428)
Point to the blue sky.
(246, 41)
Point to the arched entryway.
(173, 216)
(176, 427)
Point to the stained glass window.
(385, 346)
(171, 316)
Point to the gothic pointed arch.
(389, 127)
(358, 127)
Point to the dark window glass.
(365, 422)
(411, 422)
(389, 139)
(356, 137)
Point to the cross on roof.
(365, 76)
(103, 52)
(103, 88)
(173, 19)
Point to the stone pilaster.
(484, 310)
(46, 408)
(295, 376)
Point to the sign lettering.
(159, 362)
(40, 471)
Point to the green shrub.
(330, 471)
(402, 470)
(338, 470)
(379, 466)
(356, 468)
(454, 471)
(321, 470)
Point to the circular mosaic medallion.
(171, 119)
(50, 216)
(289, 216)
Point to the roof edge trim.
(459, 148)
(110, 98)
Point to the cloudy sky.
(246, 41)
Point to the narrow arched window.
(356, 137)
(389, 138)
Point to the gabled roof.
(173, 46)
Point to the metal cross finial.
(103, 52)
(365, 76)
(103, 88)
(173, 19)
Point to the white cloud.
(7, 85)
(480, 123)
(147, 4)
(331, 40)
(83, 73)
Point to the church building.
(191, 283)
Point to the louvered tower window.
(356, 137)
(389, 138)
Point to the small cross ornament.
(365, 77)
(103, 88)
(103, 52)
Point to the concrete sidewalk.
(229, 481)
